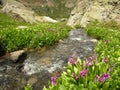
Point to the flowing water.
(40, 65)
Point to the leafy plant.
(32, 37)
(28, 87)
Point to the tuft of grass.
(8, 22)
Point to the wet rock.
(18, 56)
(2, 68)
(32, 80)
(19, 68)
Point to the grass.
(8, 22)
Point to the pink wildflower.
(72, 60)
(96, 78)
(53, 80)
(105, 60)
(83, 73)
(104, 77)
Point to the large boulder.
(18, 10)
(2, 2)
(90, 10)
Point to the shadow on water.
(40, 65)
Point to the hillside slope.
(52, 8)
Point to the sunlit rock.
(87, 11)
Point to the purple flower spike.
(73, 75)
(105, 60)
(104, 77)
(72, 61)
(88, 62)
(96, 78)
(53, 80)
(76, 78)
(110, 69)
(89, 59)
(83, 73)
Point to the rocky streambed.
(40, 65)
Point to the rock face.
(90, 10)
(18, 10)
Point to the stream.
(40, 65)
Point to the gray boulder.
(90, 10)
(18, 10)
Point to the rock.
(61, 41)
(2, 2)
(19, 11)
(87, 11)
(2, 68)
(14, 7)
(21, 27)
(63, 19)
(18, 56)
(45, 19)
(32, 80)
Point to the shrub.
(32, 37)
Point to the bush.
(32, 37)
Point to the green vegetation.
(97, 72)
(34, 36)
(8, 22)
(28, 87)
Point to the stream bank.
(40, 65)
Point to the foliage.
(98, 72)
(77, 26)
(8, 22)
(28, 87)
(32, 37)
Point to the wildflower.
(96, 78)
(94, 58)
(110, 69)
(89, 59)
(73, 74)
(105, 60)
(76, 78)
(104, 77)
(83, 73)
(72, 61)
(53, 80)
(88, 62)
